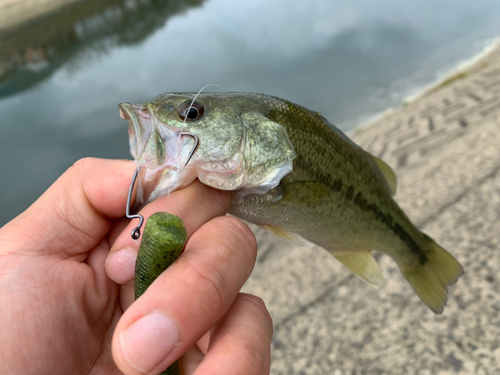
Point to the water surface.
(61, 76)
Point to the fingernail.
(147, 342)
(121, 265)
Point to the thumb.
(74, 214)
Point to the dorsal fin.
(387, 172)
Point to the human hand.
(62, 314)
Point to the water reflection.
(64, 73)
(32, 52)
(358, 67)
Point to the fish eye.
(191, 112)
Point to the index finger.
(195, 205)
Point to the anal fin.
(362, 264)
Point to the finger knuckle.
(257, 305)
(255, 301)
(241, 234)
(256, 357)
(81, 167)
(219, 200)
(82, 164)
(211, 284)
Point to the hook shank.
(136, 232)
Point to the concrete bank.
(445, 149)
(16, 12)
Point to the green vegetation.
(358, 131)
(448, 81)
(453, 78)
(80, 29)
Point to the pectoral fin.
(362, 264)
(280, 232)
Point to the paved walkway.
(445, 149)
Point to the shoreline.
(448, 75)
(458, 104)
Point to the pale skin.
(66, 293)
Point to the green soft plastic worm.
(162, 243)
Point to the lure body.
(162, 243)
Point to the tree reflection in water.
(33, 51)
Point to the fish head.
(224, 140)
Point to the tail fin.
(431, 279)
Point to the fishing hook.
(136, 232)
(196, 141)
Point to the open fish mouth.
(134, 129)
(160, 151)
(151, 144)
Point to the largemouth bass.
(291, 172)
